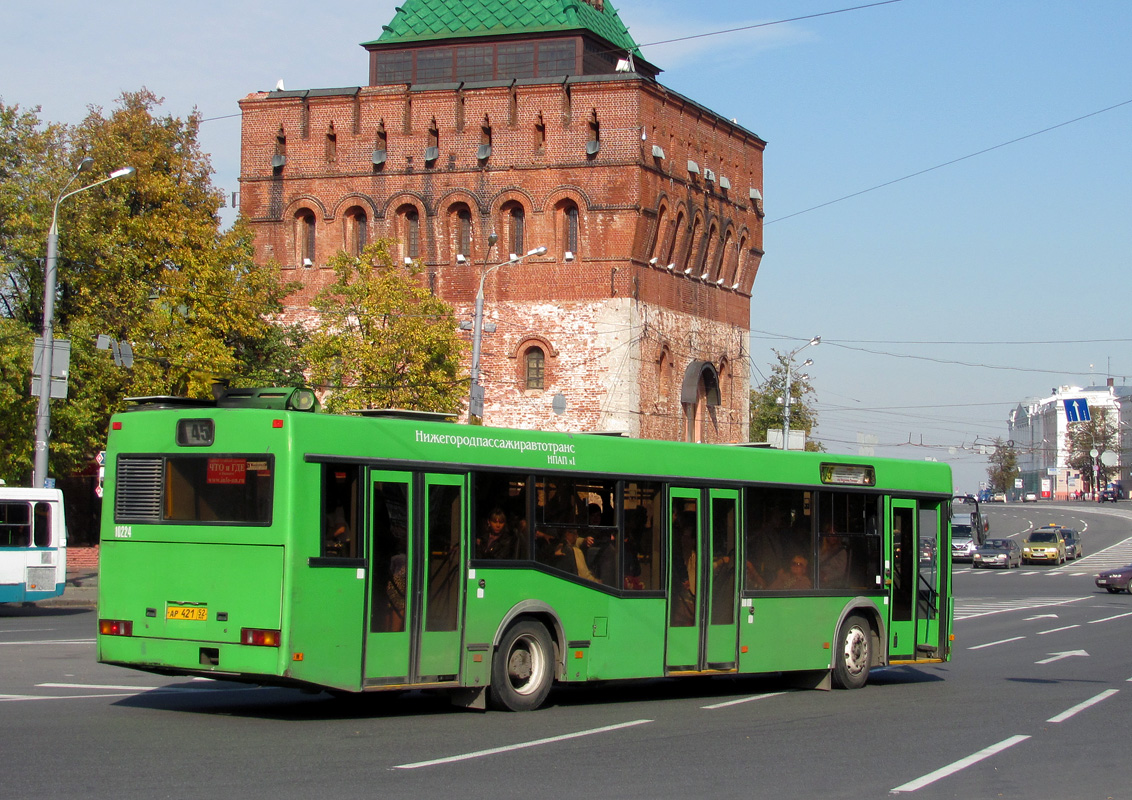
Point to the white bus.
(33, 544)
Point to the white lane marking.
(26, 630)
(1064, 654)
(107, 687)
(992, 644)
(969, 609)
(51, 641)
(1108, 619)
(521, 746)
(742, 700)
(8, 698)
(1055, 630)
(1069, 712)
(962, 763)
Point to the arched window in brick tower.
(566, 234)
(409, 228)
(658, 236)
(357, 234)
(462, 229)
(305, 237)
(534, 368)
(699, 396)
(514, 219)
(692, 249)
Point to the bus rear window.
(220, 489)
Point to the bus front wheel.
(853, 653)
(522, 669)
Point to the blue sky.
(943, 300)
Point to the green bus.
(257, 539)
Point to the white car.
(1030, 497)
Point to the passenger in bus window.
(833, 562)
(339, 542)
(498, 540)
(572, 559)
(798, 576)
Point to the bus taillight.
(115, 627)
(259, 637)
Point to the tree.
(1003, 467)
(1081, 438)
(141, 259)
(382, 340)
(767, 412)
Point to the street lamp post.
(43, 412)
(476, 394)
(786, 397)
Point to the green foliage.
(1002, 466)
(383, 341)
(141, 259)
(1099, 433)
(767, 413)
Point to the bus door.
(390, 569)
(931, 576)
(720, 614)
(436, 596)
(702, 624)
(914, 578)
(414, 594)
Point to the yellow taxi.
(1045, 545)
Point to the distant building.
(1038, 430)
(543, 124)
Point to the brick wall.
(609, 310)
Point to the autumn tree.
(768, 412)
(382, 340)
(141, 259)
(1002, 467)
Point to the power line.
(949, 163)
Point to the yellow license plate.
(196, 613)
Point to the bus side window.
(502, 531)
(643, 568)
(340, 511)
(42, 525)
(15, 525)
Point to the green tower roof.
(431, 20)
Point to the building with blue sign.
(1039, 428)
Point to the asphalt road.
(1031, 706)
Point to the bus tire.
(522, 669)
(853, 653)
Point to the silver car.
(1003, 553)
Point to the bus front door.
(413, 631)
(915, 580)
(702, 624)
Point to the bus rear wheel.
(853, 653)
(522, 669)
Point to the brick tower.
(539, 122)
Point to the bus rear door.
(702, 623)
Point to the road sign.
(1076, 409)
(100, 459)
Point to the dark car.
(1003, 553)
(1116, 580)
(1074, 545)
